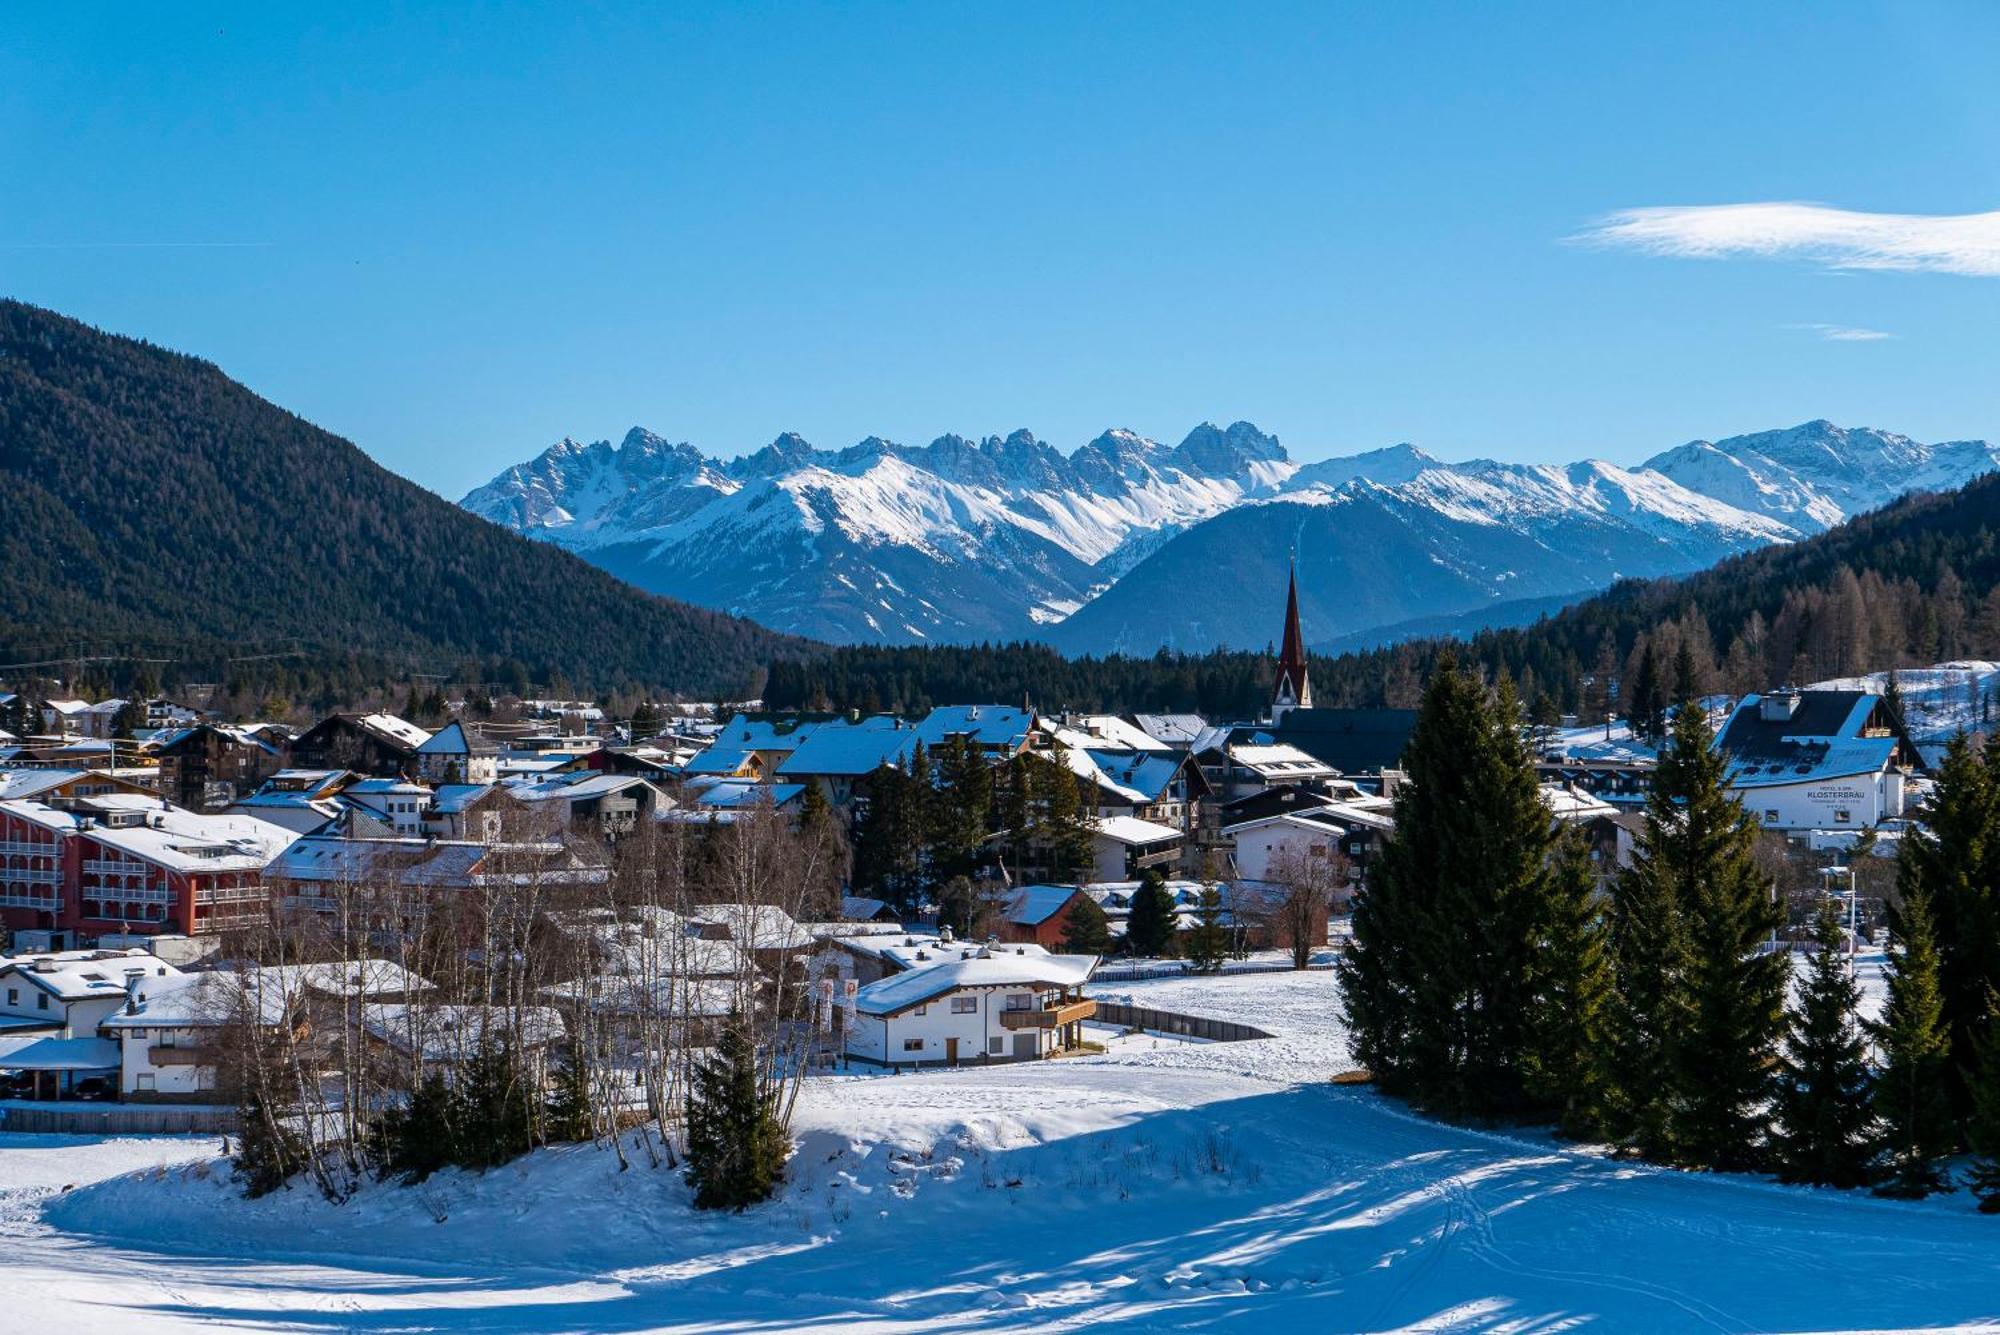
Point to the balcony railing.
(26, 849)
(147, 895)
(1053, 1017)
(32, 875)
(50, 903)
(115, 867)
(177, 1056)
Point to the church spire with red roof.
(1293, 689)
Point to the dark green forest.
(151, 508)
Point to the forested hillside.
(1917, 581)
(154, 508)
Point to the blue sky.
(455, 234)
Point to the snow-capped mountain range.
(1129, 544)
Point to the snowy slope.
(1814, 475)
(1167, 1185)
(963, 540)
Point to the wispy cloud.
(1966, 243)
(1842, 333)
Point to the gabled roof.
(453, 739)
(1353, 741)
(1033, 905)
(1133, 831)
(1822, 735)
(993, 966)
(1141, 776)
(1176, 730)
(990, 726)
(78, 975)
(850, 750)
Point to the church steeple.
(1293, 689)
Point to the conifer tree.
(1646, 697)
(736, 1148)
(566, 1111)
(1984, 1127)
(1064, 826)
(1735, 988)
(1437, 986)
(1825, 1129)
(888, 839)
(1207, 943)
(963, 812)
(1911, 1097)
(1149, 930)
(1954, 857)
(493, 1107)
(1087, 931)
(1566, 1068)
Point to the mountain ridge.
(1107, 548)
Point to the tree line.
(1497, 975)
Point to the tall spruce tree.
(1911, 1097)
(1149, 930)
(962, 813)
(736, 1147)
(1646, 696)
(1206, 944)
(1438, 985)
(1984, 1127)
(1567, 1061)
(1825, 1132)
(1954, 857)
(1735, 986)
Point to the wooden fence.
(116, 1119)
(1172, 1022)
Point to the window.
(13, 996)
(1020, 1001)
(41, 1001)
(922, 1010)
(913, 1045)
(1770, 817)
(965, 1005)
(145, 1081)
(1842, 817)
(996, 1044)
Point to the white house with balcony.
(1004, 1003)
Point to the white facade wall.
(969, 1015)
(1261, 850)
(1854, 802)
(138, 1075)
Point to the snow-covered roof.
(913, 950)
(165, 836)
(757, 926)
(1033, 905)
(77, 975)
(454, 740)
(734, 794)
(348, 978)
(1132, 830)
(444, 863)
(662, 994)
(1109, 732)
(741, 737)
(400, 731)
(58, 1054)
(1278, 760)
(852, 749)
(1566, 803)
(989, 726)
(214, 997)
(25, 783)
(1140, 776)
(448, 1033)
(992, 966)
(1315, 819)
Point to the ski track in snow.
(1164, 1185)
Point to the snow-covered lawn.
(1164, 1184)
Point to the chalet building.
(1250, 762)
(377, 744)
(1623, 783)
(124, 864)
(455, 754)
(52, 1007)
(168, 1031)
(1124, 847)
(839, 757)
(1175, 732)
(998, 732)
(610, 806)
(303, 801)
(748, 748)
(1818, 760)
(1038, 915)
(377, 807)
(1261, 830)
(1003, 1004)
(208, 766)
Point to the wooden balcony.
(178, 1056)
(1054, 1018)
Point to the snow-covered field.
(1166, 1184)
